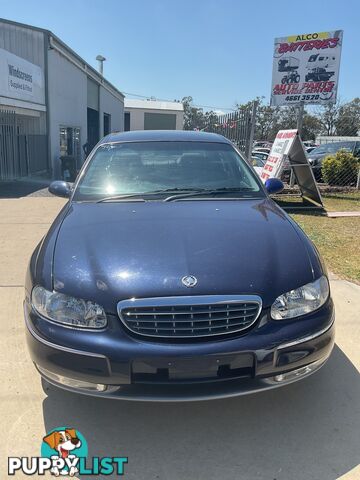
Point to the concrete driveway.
(308, 430)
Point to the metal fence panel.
(21, 153)
(37, 153)
(237, 127)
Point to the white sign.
(20, 79)
(279, 150)
(288, 149)
(306, 68)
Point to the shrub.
(340, 169)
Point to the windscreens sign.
(306, 68)
(20, 79)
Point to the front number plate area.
(192, 368)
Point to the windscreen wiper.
(124, 196)
(205, 191)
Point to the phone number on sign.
(301, 98)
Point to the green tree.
(348, 120)
(194, 117)
(328, 115)
(267, 119)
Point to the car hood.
(108, 252)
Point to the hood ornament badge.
(189, 281)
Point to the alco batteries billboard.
(306, 68)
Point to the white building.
(153, 115)
(51, 103)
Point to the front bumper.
(127, 367)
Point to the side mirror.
(274, 185)
(60, 188)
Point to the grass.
(338, 239)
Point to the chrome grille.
(190, 316)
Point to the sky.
(217, 51)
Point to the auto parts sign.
(306, 68)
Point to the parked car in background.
(261, 155)
(309, 144)
(258, 163)
(317, 155)
(262, 143)
(262, 149)
(166, 277)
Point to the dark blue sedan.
(170, 274)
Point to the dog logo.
(64, 452)
(64, 446)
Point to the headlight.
(303, 300)
(67, 310)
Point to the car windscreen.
(148, 167)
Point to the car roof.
(164, 136)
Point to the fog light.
(299, 372)
(72, 382)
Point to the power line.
(149, 97)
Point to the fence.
(21, 154)
(335, 160)
(237, 127)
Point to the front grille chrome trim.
(250, 305)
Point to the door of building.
(92, 127)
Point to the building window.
(107, 124)
(70, 143)
(127, 121)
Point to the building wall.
(137, 117)
(22, 101)
(23, 42)
(53, 92)
(114, 107)
(67, 103)
(23, 49)
(70, 94)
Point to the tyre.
(297, 78)
(284, 80)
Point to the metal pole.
(300, 118)
(252, 130)
(299, 129)
(358, 180)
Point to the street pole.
(252, 130)
(299, 126)
(300, 118)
